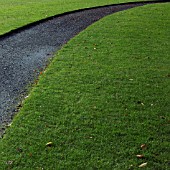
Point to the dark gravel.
(24, 53)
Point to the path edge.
(29, 25)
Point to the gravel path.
(25, 52)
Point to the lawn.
(103, 100)
(16, 13)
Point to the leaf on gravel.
(142, 165)
(9, 125)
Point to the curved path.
(25, 51)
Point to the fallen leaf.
(49, 144)
(9, 125)
(143, 146)
(140, 156)
(26, 97)
(9, 162)
(142, 165)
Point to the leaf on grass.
(9, 125)
(140, 156)
(26, 96)
(49, 144)
(9, 162)
(142, 165)
(143, 146)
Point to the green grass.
(104, 95)
(16, 13)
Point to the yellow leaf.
(143, 165)
(49, 144)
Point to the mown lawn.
(103, 100)
(16, 13)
